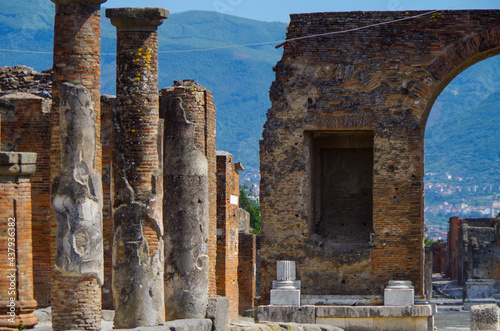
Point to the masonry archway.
(379, 82)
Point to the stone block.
(287, 314)
(468, 303)
(285, 297)
(484, 317)
(399, 293)
(479, 288)
(218, 312)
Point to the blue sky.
(278, 10)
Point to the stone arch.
(380, 81)
(458, 57)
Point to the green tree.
(251, 206)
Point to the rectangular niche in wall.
(343, 185)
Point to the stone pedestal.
(16, 270)
(484, 317)
(286, 290)
(479, 292)
(399, 293)
(137, 185)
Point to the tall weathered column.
(186, 206)
(16, 268)
(137, 191)
(77, 202)
(76, 284)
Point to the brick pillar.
(199, 109)
(452, 262)
(227, 230)
(16, 272)
(76, 197)
(107, 103)
(247, 271)
(137, 188)
(76, 300)
(77, 59)
(26, 128)
(185, 208)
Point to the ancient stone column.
(137, 190)
(199, 109)
(186, 216)
(16, 268)
(77, 202)
(77, 59)
(76, 295)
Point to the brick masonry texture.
(107, 222)
(227, 231)
(26, 127)
(77, 34)
(247, 271)
(382, 80)
(16, 242)
(138, 260)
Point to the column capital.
(136, 19)
(17, 164)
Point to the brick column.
(26, 129)
(107, 103)
(199, 109)
(76, 197)
(76, 300)
(16, 269)
(247, 271)
(138, 255)
(186, 206)
(452, 263)
(227, 230)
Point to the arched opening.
(462, 177)
(461, 165)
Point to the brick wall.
(227, 231)
(200, 110)
(382, 80)
(247, 271)
(26, 128)
(16, 273)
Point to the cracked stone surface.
(185, 216)
(77, 192)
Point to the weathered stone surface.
(243, 221)
(77, 192)
(295, 314)
(374, 311)
(76, 300)
(218, 312)
(269, 326)
(342, 149)
(19, 79)
(484, 317)
(185, 216)
(138, 252)
(200, 111)
(76, 198)
(137, 19)
(399, 293)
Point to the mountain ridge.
(461, 121)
